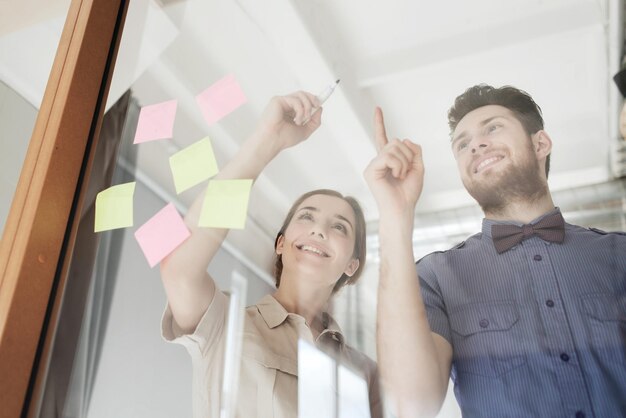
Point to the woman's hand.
(289, 120)
(396, 175)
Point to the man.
(528, 316)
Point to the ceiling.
(412, 58)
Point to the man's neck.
(523, 210)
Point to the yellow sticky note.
(225, 204)
(114, 207)
(193, 165)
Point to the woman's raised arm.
(188, 286)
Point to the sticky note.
(114, 207)
(220, 99)
(156, 122)
(225, 204)
(193, 165)
(162, 234)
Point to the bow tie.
(551, 228)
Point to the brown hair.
(517, 101)
(359, 239)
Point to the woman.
(320, 248)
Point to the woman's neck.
(303, 299)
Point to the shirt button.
(580, 414)
(564, 357)
(484, 323)
(549, 303)
(537, 257)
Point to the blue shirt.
(537, 331)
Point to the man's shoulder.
(593, 232)
(468, 244)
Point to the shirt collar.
(274, 314)
(272, 311)
(487, 223)
(331, 329)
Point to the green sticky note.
(193, 165)
(114, 207)
(225, 204)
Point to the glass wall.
(192, 83)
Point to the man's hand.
(396, 175)
(283, 124)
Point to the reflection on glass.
(176, 50)
(29, 35)
(317, 382)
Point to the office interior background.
(411, 58)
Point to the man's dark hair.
(518, 101)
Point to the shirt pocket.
(274, 378)
(605, 320)
(487, 338)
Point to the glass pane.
(29, 35)
(201, 73)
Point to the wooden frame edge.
(40, 228)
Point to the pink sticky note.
(156, 122)
(162, 234)
(220, 99)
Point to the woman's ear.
(353, 266)
(280, 242)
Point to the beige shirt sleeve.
(206, 348)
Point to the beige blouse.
(268, 383)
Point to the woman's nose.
(318, 231)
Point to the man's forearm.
(406, 351)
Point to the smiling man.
(527, 316)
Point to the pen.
(322, 97)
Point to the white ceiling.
(410, 57)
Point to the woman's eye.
(340, 227)
(461, 146)
(492, 128)
(306, 216)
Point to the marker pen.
(322, 97)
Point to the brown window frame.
(40, 230)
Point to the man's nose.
(477, 144)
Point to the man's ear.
(352, 267)
(542, 144)
(280, 242)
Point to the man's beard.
(518, 183)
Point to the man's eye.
(461, 146)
